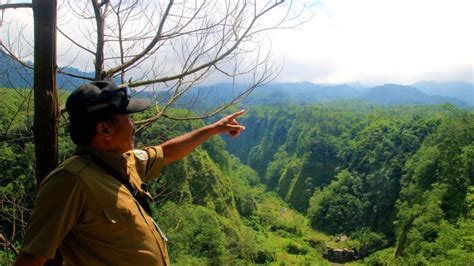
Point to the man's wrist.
(212, 129)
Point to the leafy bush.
(368, 242)
(293, 248)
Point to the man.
(91, 207)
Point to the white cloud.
(377, 41)
(17, 31)
(368, 41)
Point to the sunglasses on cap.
(115, 100)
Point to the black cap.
(102, 96)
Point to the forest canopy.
(398, 181)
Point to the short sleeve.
(58, 207)
(149, 162)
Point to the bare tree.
(165, 47)
(168, 47)
(174, 46)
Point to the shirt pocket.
(118, 225)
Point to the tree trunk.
(402, 239)
(46, 114)
(45, 93)
(99, 55)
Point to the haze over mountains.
(460, 94)
(456, 93)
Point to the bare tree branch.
(10, 54)
(168, 47)
(148, 48)
(15, 6)
(211, 62)
(74, 42)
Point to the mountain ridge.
(392, 94)
(424, 92)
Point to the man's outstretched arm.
(176, 148)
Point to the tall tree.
(45, 92)
(46, 110)
(46, 104)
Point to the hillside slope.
(397, 177)
(392, 94)
(212, 207)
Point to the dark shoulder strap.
(138, 195)
(111, 171)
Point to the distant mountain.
(391, 94)
(15, 75)
(70, 83)
(270, 94)
(306, 92)
(460, 90)
(302, 92)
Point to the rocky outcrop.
(339, 255)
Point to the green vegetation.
(215, 211)
(397, 181)
(212, 207)
(397, 177)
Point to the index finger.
(237, 114)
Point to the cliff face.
(353, 167)
(216, 208)
(294, 150)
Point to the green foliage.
(17, 176)
(398, 181)
(368, 242)
(248, 225)
(15, 112)
(452, 246)
(382, 175)
(293, 248)
(340, 207)
(435, 199)
(193, 230)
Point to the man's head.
(98, 112)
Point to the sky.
(381, 41)
(374, 42)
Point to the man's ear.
(103, 129)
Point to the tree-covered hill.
(213, 208)
(397, 180)
(392, 94)
(459, 90)
(398, 177)
(15, 75)
(300, 93)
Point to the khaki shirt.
(93, 218)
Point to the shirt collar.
(118, 161)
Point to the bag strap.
(137, 194)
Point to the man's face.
(122, 133)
